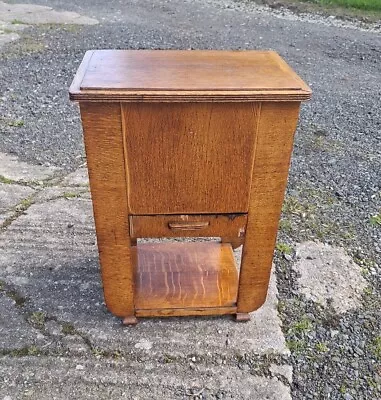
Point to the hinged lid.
(184, 76)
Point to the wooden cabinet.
(186, 144)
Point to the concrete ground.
(318, 334)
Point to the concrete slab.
(36, 14)
(79, 177)
(56, 241)
(15, 332)
(63, 378)
(12, 168)
(68, 193)
(5, 216)
(328, 274)
(10, 195)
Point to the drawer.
(204, 225)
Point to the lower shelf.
(185, 279)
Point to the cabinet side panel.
(105, 160)
(275, 137)
(189, 158)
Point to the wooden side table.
(186, 144)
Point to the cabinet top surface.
(183, 75)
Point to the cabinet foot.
(242, 317)
(130, 320)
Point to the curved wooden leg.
(130, 320)
(242, 317)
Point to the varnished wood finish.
(185, 275)
(234, 241)
(105, 162)
(175, 141)
(183, 312)
(189, 158)
(177, 76)
(273, 150)
(204, 225)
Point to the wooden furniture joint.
(186, 144)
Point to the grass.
(321, 347)
(284, 248)
(38, 319)
(301, 326)
(16, 123)
(376, 219)
(18, 22)
(68, 329)
(366, 5)
(376, 347)
(70, 195)
(296, 346)
(367, 11)
(6, 180)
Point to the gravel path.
(334, 192)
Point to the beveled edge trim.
(74, 89)
(189, 97)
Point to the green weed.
(38, 318)
(284, 248)
(302, 326)
(8, 181)
(16, 123)
(321, 347)
(375, 220)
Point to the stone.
(283, 370)
(328, 274)
(144, 344)
(12, 168)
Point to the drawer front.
(205, 225)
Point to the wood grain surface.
(184, 312)
(204, 225)
(186, 76)
(177, 142)
(185, 275)
(105, 161)
(277, 123)
(189, 158)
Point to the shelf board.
(183, 276)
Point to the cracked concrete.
(49, 255)
(65, 377)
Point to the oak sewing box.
(186, 144)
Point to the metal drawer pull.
(186, 225)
